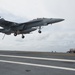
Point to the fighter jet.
(9, 27)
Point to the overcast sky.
(57, 37)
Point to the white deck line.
(38, 58)
(38, 65)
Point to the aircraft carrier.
(36, 63)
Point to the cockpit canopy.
(1, 18)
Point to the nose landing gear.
(23, 36)
(39, 30)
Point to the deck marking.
(38, 65)
(38, 58)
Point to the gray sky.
(58, 37)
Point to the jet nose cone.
(58, 20)
(54, 20)
(61, 19)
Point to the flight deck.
(36, 63)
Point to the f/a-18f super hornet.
(27, 27)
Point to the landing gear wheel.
(15, 34)
(23, 36)
(39, 31)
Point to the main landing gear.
(15, 34)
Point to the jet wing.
(7, 24)
(6, 31)
(31, 22)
